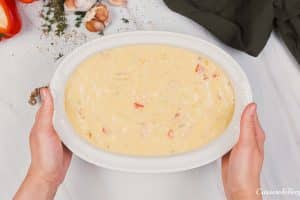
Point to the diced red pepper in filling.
(104, 130)
(170, 134)
(198, 68)
(138, 105)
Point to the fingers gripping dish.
(149, 100)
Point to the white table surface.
(28, 61)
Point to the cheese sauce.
(149, 100)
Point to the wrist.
(245, 195)
(42, 182)
(36, 187)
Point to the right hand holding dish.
(241, 167)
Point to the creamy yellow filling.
(149, 100)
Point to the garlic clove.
(97, 17)
(84, 5)
(70, 5)
(94, 26)
(118, 2)
(99, 11)
(102, 13)
(78, 5)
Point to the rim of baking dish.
(155, 164)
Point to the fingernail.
(43, 94)
(252, 109)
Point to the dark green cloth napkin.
(245, 24)
(287, 22)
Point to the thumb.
(44, 115)
(248, 128)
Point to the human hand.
(50, 159)
(242, 166)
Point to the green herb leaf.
(126, 21)
(78, 19)
(59, 56)
(80, 13)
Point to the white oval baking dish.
(174, 163)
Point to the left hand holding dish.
(50, 159)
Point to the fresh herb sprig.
(54, 17)
(79, 16)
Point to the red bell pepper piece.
(170, 134)
(138, 105)
(27, 1)
(10, 23)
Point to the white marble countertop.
(28, 61)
